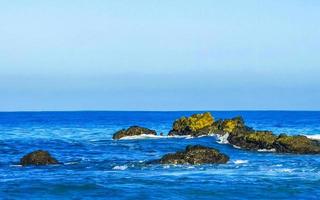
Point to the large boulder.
(296, 144)
(133, 131)
(38, 157)
(197, 124)
(195, 155)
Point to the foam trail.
(145, 136)
(120, 167)
(266, 150)
(240, 161)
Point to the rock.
(296, 144)
(38, 157)
(133, 131)
(254, 140)
(195, 155)
(193, 125)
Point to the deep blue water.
(96, 167)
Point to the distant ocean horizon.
(97, 167)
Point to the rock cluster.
(133, 131)
(195, 155)
(245, 137)
(38, 157)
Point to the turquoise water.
(96, 167)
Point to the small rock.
(133, 131)
(195, 155)
(38, 157)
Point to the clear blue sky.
(159, 55)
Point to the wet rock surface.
(38, 157)
(194, 155)
(296, 144)
(133, 131)
(197, 124)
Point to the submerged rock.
(133, 131)
(194, 155)
(197, 124)
(38, 157)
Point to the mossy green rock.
(193, 124)
(195, 155)
(254, 140)
(296, 144)
(133, 131)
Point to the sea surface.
(97, 167)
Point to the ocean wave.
(71, 163)
(313, 137)
(223, 139)
(120, 167)
(15, 165)
(240, 162)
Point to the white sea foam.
(71, 163)
(266, 150)
(285, 170)
(145, 136)
(238, 162)
(120, 167)
(314, 137)
(223, 139)
(15, 165)
(237, 147)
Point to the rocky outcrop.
(38, 157)
(254, 140)
(242, 136)
(250, 139)
(133, 131)
(296, 144)
(197, 124)
(195, 155)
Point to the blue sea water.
(97, 167)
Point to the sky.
(159, 55)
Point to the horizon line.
(192, 110)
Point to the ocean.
(97, 167)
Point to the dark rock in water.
(38, 157)
(194, 155)
(197, 124)
(133, 131)
(296, 144)
(254, 140)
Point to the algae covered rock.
(296, 144)
(195, 155)
(38, 157)
(193, 124)
(133, 131)
(254, 140)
